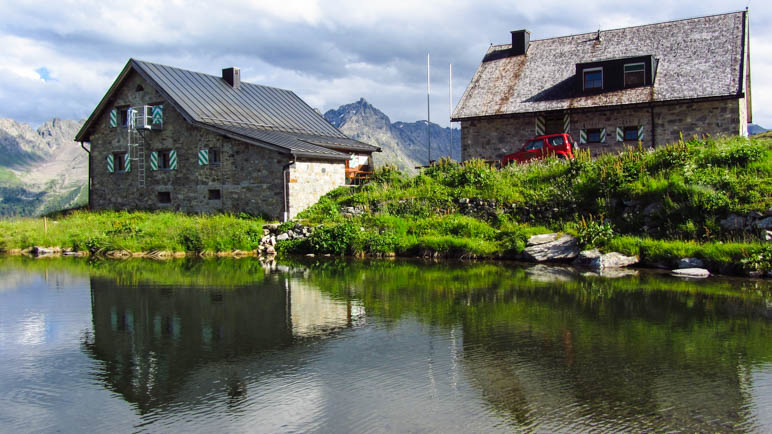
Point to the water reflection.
(155, 340)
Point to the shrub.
(594, 233)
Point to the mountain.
(403, 144)
(754, 129)
(41, 170)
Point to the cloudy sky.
(59, 58)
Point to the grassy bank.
(133, 231)
(662, 204)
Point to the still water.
(339, 346)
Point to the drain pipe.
(285, 172)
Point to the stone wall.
(249, 177)
(494, 138)
(311, 179)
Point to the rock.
(43, 251)
(767, 235)
(272, 227)
(612, 273)
(764, 223)
(310, 255)
(691, 272)
(598, 261)
(733, 223)
(549, 273)
(690, 263)
(269, 250)
(548, 247)
(283, 237)
(652, 209)
(755, 215)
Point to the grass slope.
(661, 204)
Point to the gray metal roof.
(257, 114)
(697, 58)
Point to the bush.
(594, 233)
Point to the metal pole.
(450, 104)
(428, 112)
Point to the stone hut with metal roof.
(167, 138)
(612, 88)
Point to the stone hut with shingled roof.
(611, 88)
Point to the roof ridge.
(629, 27)
(139, 61)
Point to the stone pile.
(753, 221)
(272, 234)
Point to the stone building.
(167, 138)
(647, 84)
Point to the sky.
(59, 58)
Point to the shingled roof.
(697, 58)
(262, 115)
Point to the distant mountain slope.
(404, 144)
(754, 129)
(41, 170)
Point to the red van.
(540, 147)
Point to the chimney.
(520, 41)
(232, 76)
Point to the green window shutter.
(158, 114)
(603, 135)
(620, 134)
(567, 123)
(540, 125)
(203, 157)
(582, 136)
(110, 163)
(113, 118)
(154, 161)
(127, 162)
(640, 132)
(173, 159)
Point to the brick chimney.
(520, 41)
(232, 76)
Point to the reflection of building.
(161, 344)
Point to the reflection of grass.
(182, 272)
(133, 231)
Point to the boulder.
(551, 247)
(690, 263)
(767, 235)
(596, 260)
(691, 272)
(733, 223)
(765, 223)
(269, 250)
(283, 237)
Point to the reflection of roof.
(697, 58)
(253, 113)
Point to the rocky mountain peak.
(362, 111)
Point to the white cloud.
(330, 52)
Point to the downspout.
(88, 185)
(285, 172)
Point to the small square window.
(593, 78)
(595, 135)
(124, 112)
(119, 161)
(635, 74)
(631, 134)
(214, 194)
(164, 197)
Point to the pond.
(340, 346)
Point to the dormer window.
(593, 78)
(635, 74)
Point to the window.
(631, 134)
(593, 78)
(556, 141)
(595, 135)
(214, 194)
(214, 156)
(164, 197)
(635, 74)
(534, 145)
(124, 112)
(164, 160)
(139, 88)
(119, 161)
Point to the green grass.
(133, 231)
(676, 195)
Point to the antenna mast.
(428, 112)
(450, 104)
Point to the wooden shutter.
(114, 118)
(154, 160)
(110, 163)
(173, 159)
(203, 157)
